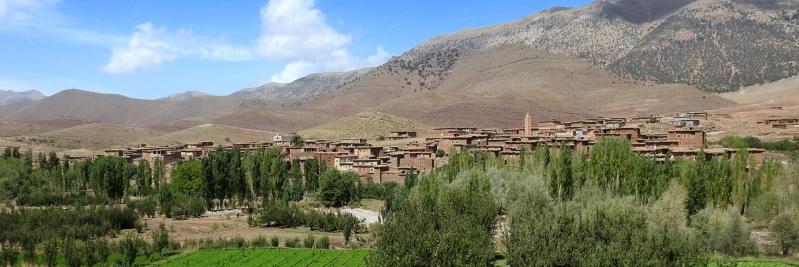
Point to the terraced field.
(271, 257)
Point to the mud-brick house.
(688, 138)
(399, 135)
(628, 132)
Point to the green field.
(270, 257)
(754, 263)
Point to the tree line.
(560, 208)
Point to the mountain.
(496, 86)
(13, 97)
(301, 89)
(714, 45)
(77, 104)
(184, 96)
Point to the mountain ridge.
(8, 97)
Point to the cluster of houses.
(685, 138)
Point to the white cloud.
(151, 46)
(296, 32)
(295, 70)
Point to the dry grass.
(90, 136)
(219, 134)
(370, 125)
(20, 128)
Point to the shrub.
(50, 252)
(323, 242)
(71, 255)
(237, 242)
(130, 248)
(260, 242)
(784, 229)
(309, 241)
(9, 254)
(293, 242)
(275, 241)
(160, 239)
(724, 231)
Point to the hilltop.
(370, 125)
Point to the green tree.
(187, 177)
(144, 177)
(337, 188)
(297, 187)
(297, 141)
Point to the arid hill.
(371, 125)
(496, 86)
(118, 109)
(92, 136)
(219, 134)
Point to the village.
(683, 138)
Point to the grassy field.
(270, 257)
(716, 263)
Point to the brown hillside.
(20, 128)
(370, 125)
(117, 109)
(219, 134)
(496, 86)
(91, 136)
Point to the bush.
(784, 229)
(724, 231)
(9, 254)
(293, 242)
(323, 242)
(275, 241)
(309, 241)
(56, 199)
(595, 230)
(50, 252)
(160, 239)
(71, 255)
(130, 248)
(144, 207)
(237, 242)
(260, 242)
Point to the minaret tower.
(528, 125)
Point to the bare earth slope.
(117, 109)
(219, 134)
(369, 125)
(93, 136)
(496, 86)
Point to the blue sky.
(150, 49)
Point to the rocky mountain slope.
(495, 87)
(13, 97)
(715, 45)
(184, 96)
(301, 89)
